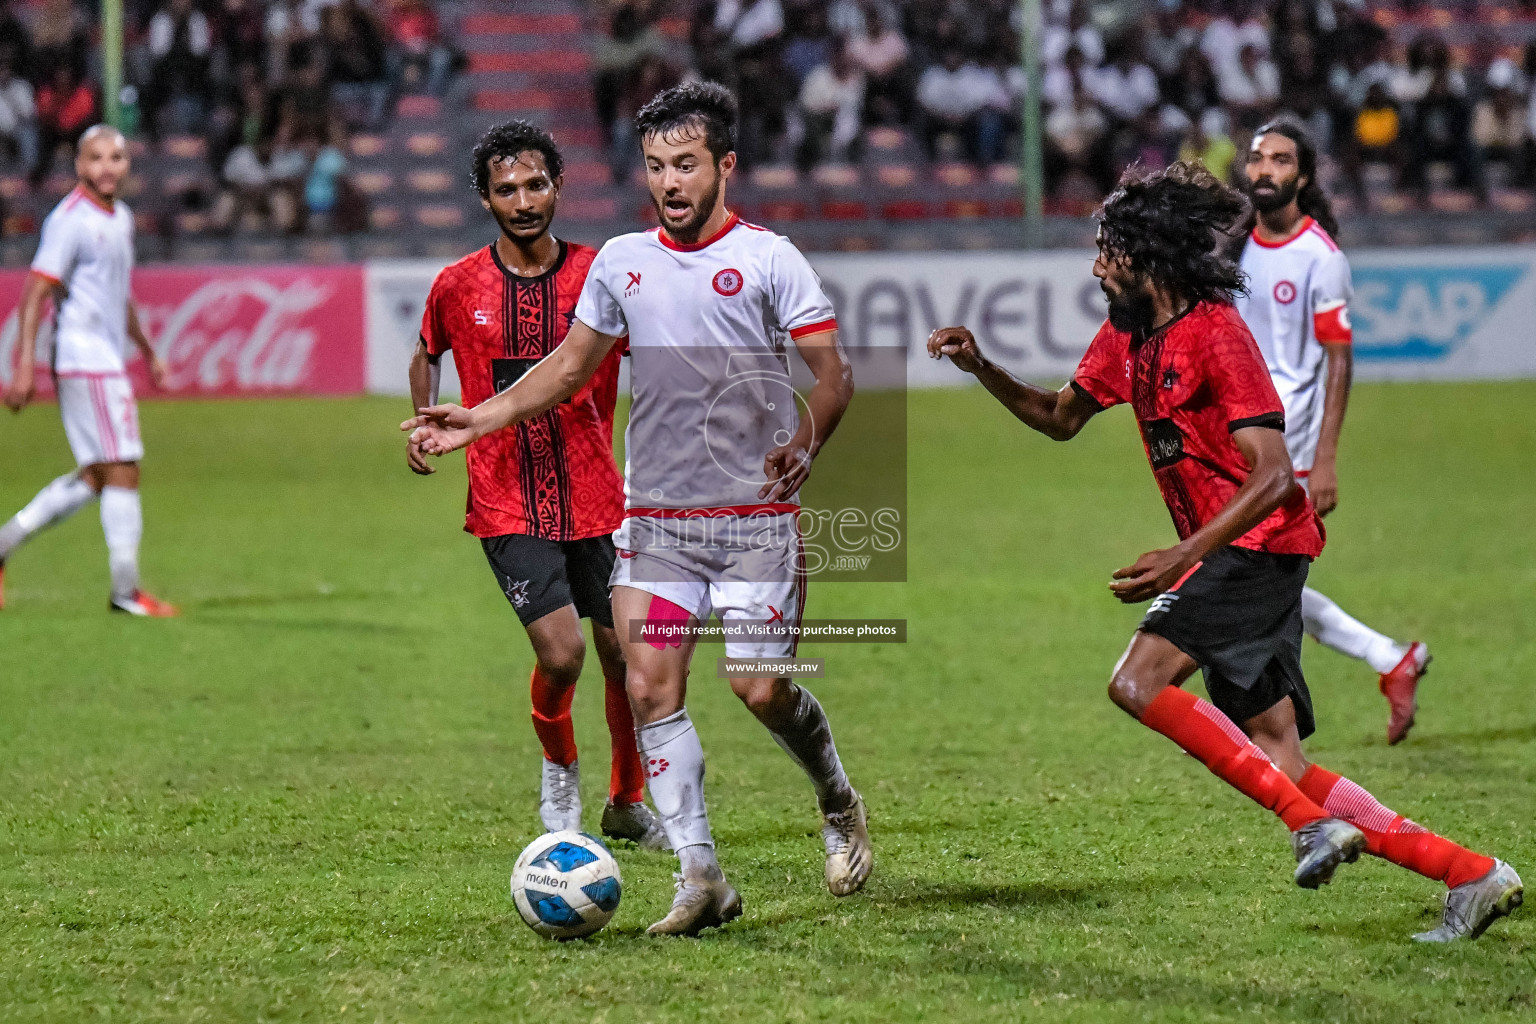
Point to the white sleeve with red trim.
(57, 249)
(597, 307)
(1331, 291)
(799, 302)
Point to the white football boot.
(560, 797)
(1472, 906)
(700, 903)
(849, 854)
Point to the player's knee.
(562, 667)
(1129, 694)
(768, 699)
(652, 696)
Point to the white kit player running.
(716, 452)
(1297, 307)
(84, 262)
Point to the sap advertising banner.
(1419, 314)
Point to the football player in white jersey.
(1297, 306)
(716, 453)
(83, 263)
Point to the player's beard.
(688, 231)
(1269, 202)
(1132, 311)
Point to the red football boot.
(1401, 686)
(147, 605)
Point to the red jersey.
(1191, 385)
(553, 476)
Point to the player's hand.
(786, 467)
(417, 459)
(157, 371)
(960, 345)
(20, 392)
(1323, 486)
(440, 429)
(1153, 573)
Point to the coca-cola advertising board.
(230, 331)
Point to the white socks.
(673, 762)
(61, 499)
(808, 742)
(122, 520)
(1332, 626)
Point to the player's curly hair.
(505, 142)
(1167, 225)
(693, 106)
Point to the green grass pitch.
(302, 800)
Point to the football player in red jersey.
(1228, 595)
(545, 495)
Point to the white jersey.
(708, 324)
(1297, 302)
(88, 249)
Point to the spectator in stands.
(1075, 132)
(616, 60)
(1376, 137)
(1498, 121)
(1125, 87)
(18, 115)
(60, 35)
(15, 41)
(755, 33)
(809, 44)
(333, 205)
(1440, 131)
(963, 98)
(355, 51)
(1209, 141)
(880, 51)
(66, 107)
(292, 28)
(1193, 89)
(1076, 31)
(831, 104)
(1163, 41)
(1249, 88)
(240, 35)
(180, 42)
(421, 59)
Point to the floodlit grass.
(302, 800)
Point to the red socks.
(1391, 836)
(1214, 739)
(552, 719)
(626, 780)
(552, 724)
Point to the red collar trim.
(675, 246)
(1306, 223)
(103, 207)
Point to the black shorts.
(1238, 615)
(538, 576)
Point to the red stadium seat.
(520, 24)
(844, 209)
(905, 209)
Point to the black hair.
(1311, 198)
(706, 106)
(1166, 225)
(505, 142)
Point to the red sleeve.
(433, 334)
(1102, 377)
(1238, 378)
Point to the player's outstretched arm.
(788, 466)
(24, 382)
(440, 429)
(1269, 483)
(1058, 415)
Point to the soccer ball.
(566, 885)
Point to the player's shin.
(1215, 740)
(807, 739)
(1391, 836)
(1334, 627)
(552, 718)
(673, 760)
(626, 780)
(122, 522)
(62, 498)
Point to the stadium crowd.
(1122, 81)
(272, 87)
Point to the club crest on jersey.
(728, 281)
(1285, 293)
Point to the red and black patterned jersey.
(553, 476)
(1191, 385)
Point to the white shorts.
(761, 582)
(101, 418)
